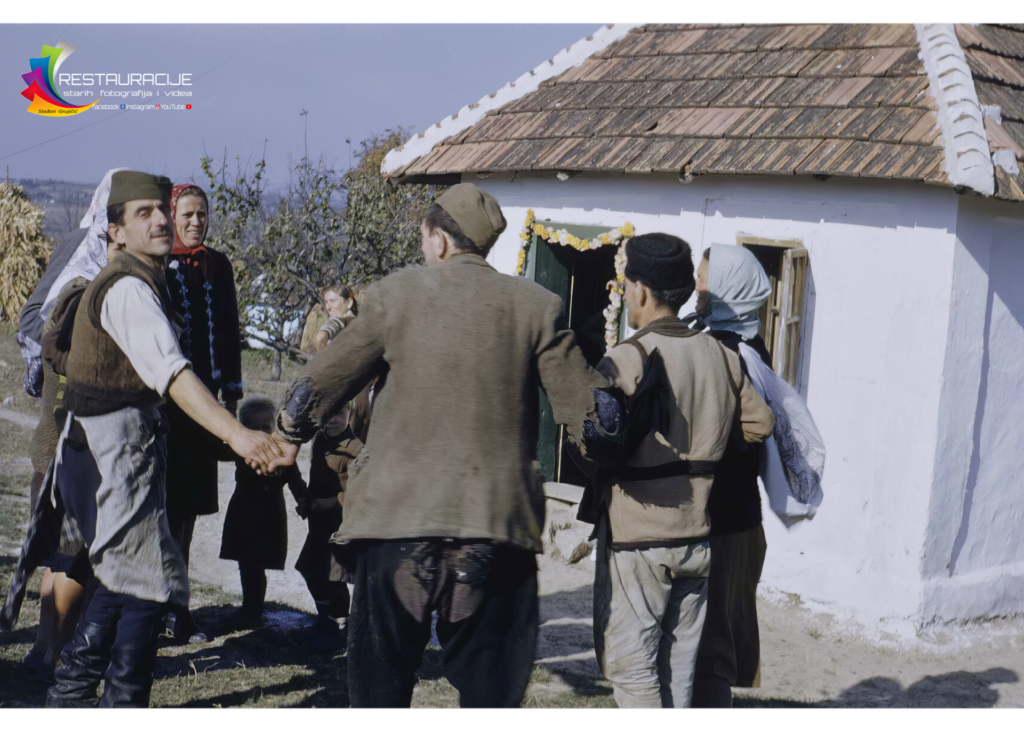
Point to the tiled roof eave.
(824, 100)
(469, 115)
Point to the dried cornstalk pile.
(24, 249)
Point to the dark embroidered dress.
(202, 288)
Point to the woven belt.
(678, 468)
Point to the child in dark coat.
(334, 450)
(256, 525)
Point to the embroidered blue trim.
(187, 347)
(214, 370)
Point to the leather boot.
(83, 664)
(129, 678)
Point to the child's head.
(258, 413)
(339, 422)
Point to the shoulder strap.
(636, 344)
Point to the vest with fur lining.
(100, 378)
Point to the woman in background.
(202, 288)
(341, 307)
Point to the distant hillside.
(65, 202)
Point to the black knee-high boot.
(129, 678)
(83, 665)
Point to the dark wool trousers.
(182, 530)
(485, 597)
(136, 619)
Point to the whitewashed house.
(874, 171)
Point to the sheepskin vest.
(100, 378)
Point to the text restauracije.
(118, 79)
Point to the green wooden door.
(563, 270)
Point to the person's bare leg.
(39, 651)
(68, 600)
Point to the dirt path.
(810, 656)
(806, 656)
(29, 422)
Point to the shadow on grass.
(278, 665)
(19, 687)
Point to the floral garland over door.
(616, 286)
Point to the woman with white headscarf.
(731, 287)
(76, 254)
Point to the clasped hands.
(264, 452)
(318, 506)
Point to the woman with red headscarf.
(202, 288)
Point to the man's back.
(455, 424)
(710, 391)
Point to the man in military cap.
(443, 509)
(123, 361)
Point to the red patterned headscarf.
(179, 245)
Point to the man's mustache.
(159, 232)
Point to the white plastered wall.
(881, 263)
(974, 552)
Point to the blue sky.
(250, 83)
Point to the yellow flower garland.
(615, 237)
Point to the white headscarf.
(737, 287)
(91, 255)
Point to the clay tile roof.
(844, 100)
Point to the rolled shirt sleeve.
(133, 318)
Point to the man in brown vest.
(442, 505)
(124, 359)
(653, 557)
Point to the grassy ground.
(12, 373)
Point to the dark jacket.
(31, 321)
(256, 524)
(735, 501)
(202, 289)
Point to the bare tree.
(72, 205)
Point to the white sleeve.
(132, 316)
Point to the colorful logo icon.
(188, 106)
(157, 106)
(45, 100)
